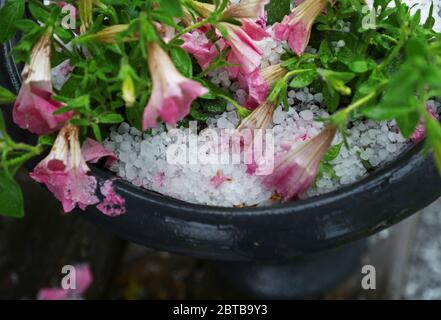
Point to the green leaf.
(331, 98)
(408, 123)
(303, 79)
(277, 90)
(134, 115)
(172, 7)
(97, 132)
(2, 124)
(333, 152)
(433, 140)
(182, 61)
(6, 96)
(383, 111)
(9, 13)
(337, 80)
(79, 122)
(39, 12)
(361, 65)
(277, 10)
(217, 105)
(111, 118)
(11, 197)
(325, 53)
(46, 140)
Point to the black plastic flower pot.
(300, 237)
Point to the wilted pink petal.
(420, 131)
(52, 294)
(93, 151)
(197, 44)
(296, 170)
(33, 111)
(296, 28)
(113, 204)
(83, 277)
(256, 87)
(79, 190)
(246, 9)
(218, 180)
(158, 179)
(172, 93)
(64, 172)
(255, 30)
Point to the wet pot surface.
(276, 233)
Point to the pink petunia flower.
(34, 107)
(83, 279)
(244, 51)
(172, 93)
(296, 28)
(295, 171)
(64, 172)
(204, 51)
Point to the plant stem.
(189, 29)
(243, 112)
(359, 102)
(294, 72)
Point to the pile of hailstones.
(143, 157)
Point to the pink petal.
(113, 204)
(34, 109)
(52, 294)
(244, 49)
(255, 30)
(84, 278)
(218, 180)
(299, 38)
(420, 131)
(197, 44)
(79, 190)
(289, 180)
(256, 87)
(93, 151)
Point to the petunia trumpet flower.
(33, 110)
(197, 44)
(172, 93)
(296, 28)
(64, 172)
(260, 118)
(295, 171)
(245, 52)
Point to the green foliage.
(6, 96)
(277, 9)
(12, 11)
(12, 157)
